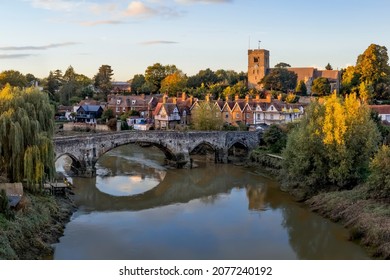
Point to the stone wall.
(85, 127)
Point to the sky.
(38, 36)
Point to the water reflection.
(211, 212)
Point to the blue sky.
(37, 36)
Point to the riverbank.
(39, 222)
(367, 220)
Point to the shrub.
(379, 179)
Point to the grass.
(367, 219)
(39, 222)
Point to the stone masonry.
(177, 146)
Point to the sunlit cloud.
(58, 5)
(101, 22)
(34, 48)
(103, 8)
(139, 9)
(158, 42)
(15, 56)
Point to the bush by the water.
(331, 146)
(379, 179)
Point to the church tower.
(258, 66)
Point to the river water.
(135, 208)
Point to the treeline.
(71, 87)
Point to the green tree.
(275, 138)
(280, 79)
(31, 79)
(102, 80)
(136, 83)
(320, 86)
(350, 80)
(14, 78)
(379, 179)
(373, 65)
(301, 88)
(156, 73)
(328, 66)
(26, 131)
(282, 65)
(108, 114)
(206, 116)
(332, 145)
(206, 77)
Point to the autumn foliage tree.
(371, 71)
(26, 130)
(331, 146)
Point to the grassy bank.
(368, 220)
(39, 222)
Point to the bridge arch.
(238, 150)
(168, 152)
(75, 165)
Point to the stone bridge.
(177, 146)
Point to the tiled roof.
(91, 108)
(381, 109)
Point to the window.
(133, 102)
(227, 116)
(237, 115)
(255, 59)
(258, 116)
(118, 101)
(248, 116)
(118, 109)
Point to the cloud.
(101, 22)
(15, 56)
(102, 8)
(159, 42)
(35, 48)
(203, 1)
(139, 9)
(57, 5)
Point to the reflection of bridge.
(177, 146)
(178, 186)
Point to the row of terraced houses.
(167, 112)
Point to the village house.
(166, 115)
(121, 104)
(89, 113)
(383, 111)
(121, 88)
(258, 111)
(89, 102)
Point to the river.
(136, 208)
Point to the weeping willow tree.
(26, 131)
